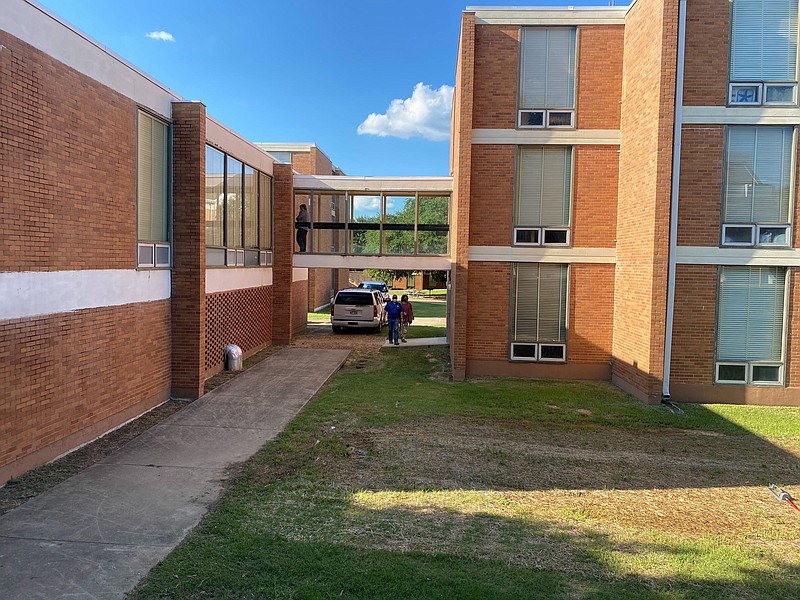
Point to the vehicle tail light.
(374, 311)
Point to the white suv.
(357, 307)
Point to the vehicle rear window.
(354, 298)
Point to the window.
(547, 77)
(757, 186)
(539, 312)
(152, 192)
(543, 198)
(238, 210)
(763, 54)
(750, 325)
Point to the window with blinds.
(539, 312)
(238, 212)
(757, 186)
(763, 56)
(750, 315)
(547, 77)
(152, 191)
(543, 196)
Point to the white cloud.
(163, 36)
(366, 203)
(425, 114)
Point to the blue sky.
(302, 70)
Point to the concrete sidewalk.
(97, 534)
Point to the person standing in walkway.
(406, 316)
(393, 311)
(302, 227)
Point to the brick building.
(137, 240)
(594, 227)
(605, 230)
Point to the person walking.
(302, 227)
(393, 311)
(406, 316)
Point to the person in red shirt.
(406, 316)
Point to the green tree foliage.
(432, 211)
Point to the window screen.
(750, 313)
(544, 182)
(539, 302)
(764, 40)
(152, 190)
(547, 72)
(758, 164)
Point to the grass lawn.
(396, 483)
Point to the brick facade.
(707, 47)
(600, 50)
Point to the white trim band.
(711, 255)
(740, 115)
(33, 293)
(226, 280)
(543, 255)
(605, 137)
(350, 183)
(299, 274)
(515, 15)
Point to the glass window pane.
(215, 196)
(233, 207)
(328, 215)
(265, 212)
(731, 373)
(433, 228)
(547, 70)
(399, 219)
(365, 219)
(764, 40)
(766, 373)
(544, 184)
(152, 179)
(539, 302)
(250, 208)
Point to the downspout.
(673, 219)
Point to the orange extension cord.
(782, 496)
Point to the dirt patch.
(669, 481)
(34, 482)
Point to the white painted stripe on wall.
(299, 274)
(350, 183)
(45, 31)
(545, 255)
(711, 255)
(605, 137)
(34, 293)
(740, 115)
(225, 280)
(549, 16)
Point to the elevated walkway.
(398, 223)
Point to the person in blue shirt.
(393, 310)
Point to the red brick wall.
(707, 47)
(461, 157)
(644, 196)
(492, 204)
(694, 324)
(241, 317)
(189, 244)
(299, 307)
(67, 167)
(594, 196)
(599, 78)
(63, 374)
(793, 333)
(590, 315)
(283, 296)
(700, 185)
(496, 80)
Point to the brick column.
(188, 249)
(283, 253)
(461, 158)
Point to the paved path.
(97, 534)
(417, 342)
